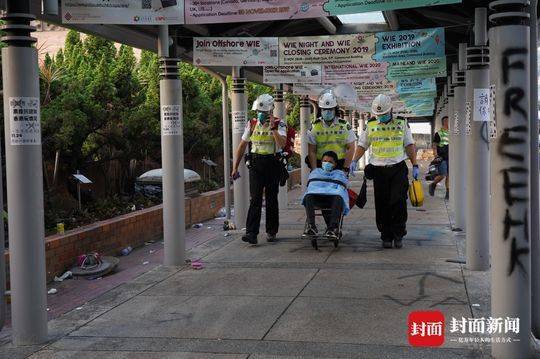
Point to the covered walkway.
(285, 300)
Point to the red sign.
(426, 328)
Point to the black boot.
(249, 238)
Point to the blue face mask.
(262, 117)
(327, 115)
(327, 166)
(385, 118)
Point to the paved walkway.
(284, 300)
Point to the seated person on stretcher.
(326, 189)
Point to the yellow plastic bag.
(416, 193)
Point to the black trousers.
(264, 177)
(334, 203)
(391, 185)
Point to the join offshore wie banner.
(218, 11)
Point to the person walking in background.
(440, 149)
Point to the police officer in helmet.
(391, 144)
(266, 137)
(330, 133)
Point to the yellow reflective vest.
(387, 140)
(331, 138)
(262, 140)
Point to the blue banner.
(409, 45)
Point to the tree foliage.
(101, 104)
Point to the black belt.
(256, 155)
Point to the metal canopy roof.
(457, 19)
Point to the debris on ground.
(226, 234)
(151, 251)
(197, 264)
(126, 250)
(198, 225)
(52, 291)
(145, 263)
(228, 225)
(63, 277)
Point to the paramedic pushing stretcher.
(327, 189)
(392, 143)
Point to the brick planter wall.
(132, 229)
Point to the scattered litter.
(228, 225)
(63, 277)
(145, 263)
(149, 243)
(126, 251)
(133, 208)
(99, 278)
(52, 291)
(198, 225)
(151, 251)
(221, 213)
(208, 227)
(48, 309)
(78, 308)
(197, 264)
(475, 305)
(226, 234)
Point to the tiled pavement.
(284, 300)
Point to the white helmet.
(382, 104)
(264, 103)
(327, 100)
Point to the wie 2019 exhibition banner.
(215, 11)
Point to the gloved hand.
(415, 172)
(352, 168)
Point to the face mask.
(327, 166)
(327, 115)
(262, 117)
(385, 118)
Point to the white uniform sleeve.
(310, 138)
(363, 140)
(408, 138)
(246, 136)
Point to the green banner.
(342, 7)
(413, 69)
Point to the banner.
(414, 86)
(292, 74)
(312, 90)
(410, 45)
(375, 88)
(127, 12)
(371, 71)
(343, 7)
(335, 49)
(235, 51)
(413, 69)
